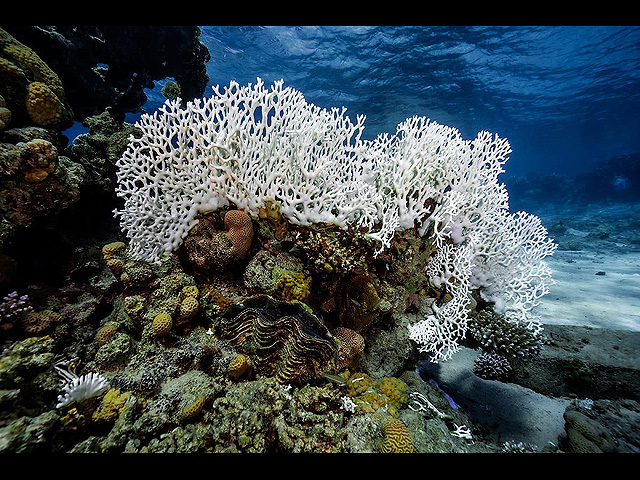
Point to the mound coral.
(35, 88)
(397, 438)
(239, 232)
(162, 324)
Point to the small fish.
(338, 379)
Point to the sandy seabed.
(593, 289)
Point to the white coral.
(249, 144)
(77, 388)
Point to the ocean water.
(565, 97)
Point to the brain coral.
(351, 345)
(397, 438)
(240, 231)
(162, 324)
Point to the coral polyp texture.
(253, 146)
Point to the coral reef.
(250, 311)
(32, 91)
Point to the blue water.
(565, 97)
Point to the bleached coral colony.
(247, 144)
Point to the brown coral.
(239, 231)
(39, 159)
(208, 248)
(351, 345)
(38, 323)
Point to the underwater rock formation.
(111, 65)
(32, 90)
(285, 340)
(214, 247)
(36, 181)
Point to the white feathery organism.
(77, 388)
(248, 144)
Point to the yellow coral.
(294, 286)
(112, 249)
(188, 308)
(358, 383)
(394, 389)
(24, 55)
(190, 291)
(192, 409)
(112, 403)
(162, 324)
(43, 107)
(371, 401)
(397, 438)
(116, 265)
(105, 334)
(240, 366)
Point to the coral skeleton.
(251, 145)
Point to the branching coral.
(252, 146)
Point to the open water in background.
(566, 97)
